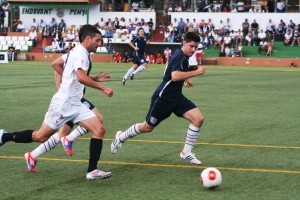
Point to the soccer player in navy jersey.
(168, 99)
(138, 43)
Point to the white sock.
(191, 138)
(129, 72)
(130, 133)
(138, 70)
(46, 146)
(79, 131)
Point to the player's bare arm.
(84, 79)
(180, 75)
(58, 65)
(132, 46)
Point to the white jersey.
(71, 90)
(199, 48)
(193, 60)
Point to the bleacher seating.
(101, 50)
(21, 43)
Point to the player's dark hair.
(87, 30)
(191, 36)
(140, 29)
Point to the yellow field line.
(208, 143)
(162, 165)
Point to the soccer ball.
(211, 178)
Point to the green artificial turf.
(251, 134)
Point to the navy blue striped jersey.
(141, 43)
(169, 89)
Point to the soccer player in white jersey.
(66, 104)
(65, 135)
(196, 58)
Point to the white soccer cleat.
(2, 131)
(117, 143)
(98, 174)
(190, 157)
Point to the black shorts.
(139, 60)
(160, 109)
(88, 104)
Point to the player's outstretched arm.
(84, 79)
(180, 75)
(101, 77)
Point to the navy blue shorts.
(160, 109)
(139, 60)
(88, 104)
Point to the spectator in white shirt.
(34, 24)
(102, 22)
(227, 39)
(227, 26)
(146, 29)
(135, 6)
(151, 9)
(240, 6)
(261, 36)
(102, 31)
(70, 36)
(32, 36)
(178, 8)
(287, 37)
(20, 27)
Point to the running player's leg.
(91, 122)
(28, 136)
(67, 141)
(52, 141)
(159, 110)
(190, 112)
(96, 143)
(141, 65)
(141, 68)
(129, 72)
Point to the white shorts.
(60, 112)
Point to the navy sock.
(18, 137)
(95, 152)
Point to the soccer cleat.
(67, 144)
(131, 76)
(123, 81)
(117, 143)
(2, 131)
(98, 174)
(190, 157)
(31, 162)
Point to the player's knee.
(101, 131)
(145, 127)
(39, 138)
(198, 121)
(100, 117)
